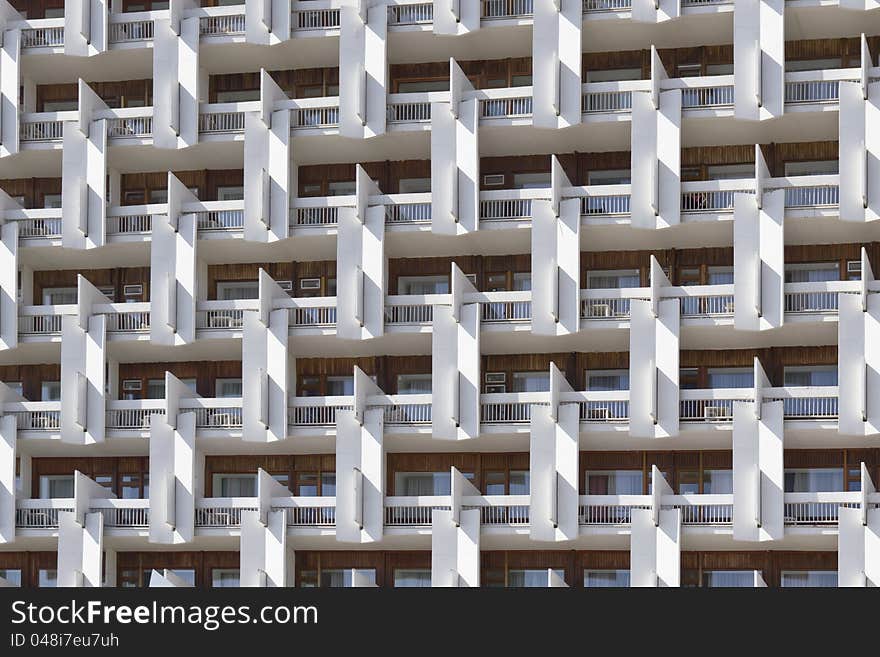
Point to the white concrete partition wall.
(455, 364)
(759, 57)
(360, 266)
(656, 153)
(553, 464)
(858, 359)
(759, 261)
(266, 22)
(83, 372)
(758, 483)
(10, 81)
(360, 466)
(265, 366)
(176, 78)
(267, 166)
(173, 270)
(455, 17)
(363, 68)
(84, 175)
(556, 53)
(8, 453)
(655, 540)
(264, 537)
(859, 130)
(858, 542)
(655, 11)
(8, 279)
(556, 260)
(80, 535)
(172, 468)
(653, 365)
(85, 27)
(455, 549)
(455, 158)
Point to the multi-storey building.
(451, 293)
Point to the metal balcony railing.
(131, 30)
(506, 108)
(313, 316)
(229, 24)
(38, 416)
(130, 127)
(505, 209)
(405, 314)
(414, 511)
(607, 5)
(409, 112)
(318, 411)
(130, 224)
(604, 308)
(610, 510)
(314, 19)
(601, 205)
(315, 216)
(40, 514)
(36, 227)
(605, 410)
(123, 513)
(132, 414)
(420, 13)
(817, 509)
(506, 311)
(702, 510)
(36, 320)
(43, 37)
(507, 9)
(502, 510)
(307, 511)
(594, 102)
(223, 512)
(323, 116)
(711, 405)
(35, 129)
(128, 321)
(217, 220)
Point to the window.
(47, 578)
(825, 375)
(614, 75)
(520, 80)
(522, 281)
(604, 380)
(56, 486)
(530, 382)
(52, 201)
(412, 577)
(50, 391)
(238, 95)
(728, 578)
(156, 389)
(343, 578)
(719, 69)
(423, 284)
(812, 168)
(413, 384)
(688, 70)
(813, 578)
(11, 576)
(130, 485)
(228, 388)
(225, 577)
(422, 483)
(422, 86)
(234, 485)
(60, 105)
(519, 482)
(614, 279)
(342, 188)
(414, 185)
(812, 272)
(531, 180)
(720, 275)
(731, 171)
(731, 377)
(717, 482)
(56, 296)
(812, 64)
(338, 386)
(234, 290)
(606, 578)
(609, 177)
(531, 578)
(15, 386)
(813, 480)
(613, 482)
(161, 195)
(315, 484)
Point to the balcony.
(44, 127)
(407, 409)
(40, 514)
(810, 87)
(817, 509)
(133, 415)
(413, 107)
(411, 13)
(495, 510)
(222, 414)
(39, 224)
(616, 510)
(307, 511)
(512, 103)
(131, 123)
(123, 513)
(42, 416)
(313, 16)
(222, 512)
(223, 118)
(410, 309)
(225, 21)
(500, 9)
(315, 113)
(805, 402)
(711, 405)
(42, 33)
(222, 315)
(318, 411)
(129, 318)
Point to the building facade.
(455, 293)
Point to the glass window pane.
(423, 284)
(530, 382)
(12, 576)
(412, 577)
(235, 485)
(56, 486)
(225, 577)
(813, 480)
(812, 578)
(728, 578)
(614, 482)
(47, 578)
(606, 578)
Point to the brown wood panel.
(31, 377)
(202, 562)
(206, 373)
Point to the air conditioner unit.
(601, 413)
(496, 388)
(131, 385)
(496, 377)
(854, 267)
(287, 286)
(493, 180)
(310, 284)
(715, 413)
(133, 290)
(600, 310)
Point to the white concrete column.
(264, 366)
(758, 482)
(267, 22)
(173, 468)
(267, 166)
(360, 266)
(85, 27)
(553, 464)
(654, 363)
(556, 261)
(84, 175)
(859, 136)
(456, 16)
(858, 358)
(655, 11)
(176, 78)
(759, 56)
(759, 261)
(263, 550)
(80, 536)
(8, 435)
(8, 281)
(455, 159)
(455, 549)
(10, 81)
(655, 540)
(858, 543)
(556, 57)
(83, 373)
(363, 68)
(174, 267)
(360, 468)
(455, 364)
(656, 153)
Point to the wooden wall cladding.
(202, 562)
(30, 564)
(37, 8)
(298, 83)
(31, 377)
(383, 562)
(139, 188)
(116, 278)
(770, 563)
(116, 93)
(97, 466)
(482, 73)
(205, 373)
(476, 464)
(34, 190)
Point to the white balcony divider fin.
(759, 53)
(8, 440)
(858, 543)
(758, 261)
(556, 53)
(455, 17)
(9, 263)
(859, 130)
(176, 81)
(172, 472)
(455, 549)
(655, 541)
(10, 81)
(85, 27)
(363, 69)
(360, 449)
